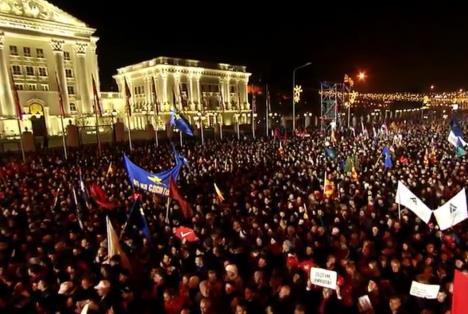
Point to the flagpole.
(156, 131)
(97, 131)
(63, 138)
(168, 203)
(221, 128)
(202, 133)
(129, 133)
(253, 125)
(21, 139)
(267, 115)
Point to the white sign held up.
(422, 290)
(323, 277)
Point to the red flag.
(19, 112)
(460, 291)
(101, 197)
(186, 234)
(59, 88)
(155, 97)
(128, 95)
(184, 205)
(97, 101)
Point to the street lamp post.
(293, 85)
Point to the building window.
(32, 87)
(26, 51)
(232, 89)
(42, 71)
(72, 107)
(71, 90)
(19, 86)
(66, 56)
(40, 53)
(16, 69)
(45, 87)
(68, 73)
(29, 70)
(13, 50)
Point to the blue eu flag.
(388, 158)
(153, 182)
(179, 122)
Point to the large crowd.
(255, 247)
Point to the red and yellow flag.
(328, 187)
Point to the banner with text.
(422, 290)
(323, 277)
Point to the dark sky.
(401, 47)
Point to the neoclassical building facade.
(41, 45)
(214, 92)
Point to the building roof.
(178, 62)
(40, 16)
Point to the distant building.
(39, 42)
(215, 91)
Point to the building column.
(227, 95)
(190, 89)
(164, 90)
(199, 95)
(6, 95)
(176, 91)
(84, 78)
(57, 48)
(94, 62)
(244, 94)
(237, 94)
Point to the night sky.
(402, 48)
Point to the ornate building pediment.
(38, 9)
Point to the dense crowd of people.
(254, 248)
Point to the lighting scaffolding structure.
(334, 98)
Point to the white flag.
(456, 140)
(323, 277)
(422, 290)
(406, 198)
(452, 212)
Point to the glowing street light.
(362, 76)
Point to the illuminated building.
(40, 44)
(217, 93)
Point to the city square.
(147, 169)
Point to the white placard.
(323, 277)
(364, 304)
(422, 290)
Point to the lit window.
(66, 55)
(16, 69)
(40, 53)
(42, 72)
(71, 90)
(13, 50)
(27, 51)
(72, 106)
(29, 70)
(68, 73)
